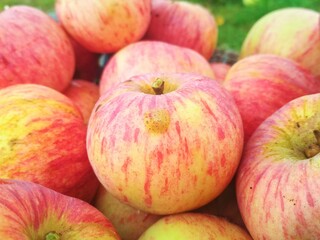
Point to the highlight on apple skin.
(289, 32)
(262, 83)
(175, 138)
(278, 177)
(104, 26)
(184, 24)
(32, 46)
(191, 226)
(43, 140)
(31, 211)
(167, 58)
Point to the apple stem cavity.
(314, 148)
(52, 236)
(158, 86)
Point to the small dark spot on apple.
(157, 15)
(97, 108)
(250, 187)
(298, 125)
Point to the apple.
(190, 226)
(104, 26)
(165, 143)
(149, 57)
(129, 222)
(287, 32)
(220, 70)
(262, 83)
(32, 211)
(32, 48)
(84, 94)
(43, 140)
(279, 175)
(87, 63)
(184, 24)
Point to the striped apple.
(152, 56)
(278, 180)
(289, 32)
(165, 143)
(32, 49)
(31, 211)
(43, 140)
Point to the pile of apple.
(114, 124)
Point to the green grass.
(237, 18)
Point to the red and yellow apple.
(184, 24)
(289, 32)
(34, 49)
(165, 143)
(129, 222)
(43, 140)
(104, 26)
(262, 83)
(84, 94)
(279, 175)
(31, 211)
(152, 56)
(191, 226)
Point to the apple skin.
(32, 46)
(262, 83)
(43, 140)
(165, 153)
(190, 226)
(31, 211)
(129, 222)
(104, 26)
(288, 32)
(220, 70)
(184, 24)
(84, 94)
(154, 56)
(277, 185)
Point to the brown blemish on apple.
(314, 148)
(157, 121)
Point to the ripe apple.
(84, 94)
(31, 211)
(220, 70)
(184, 24)
(149, 57)
(190, 226)
(262, 83)
(129, 222)
(287, 32)
(32, 46)
(104, 26)
(165, 143)
(279, 175)
(43, 140)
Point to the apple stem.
(52, 236)
(314, 148)
(158, 86)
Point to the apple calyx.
(52, 236)
(158, 86)
(313, 149)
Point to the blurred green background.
(234, 17)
